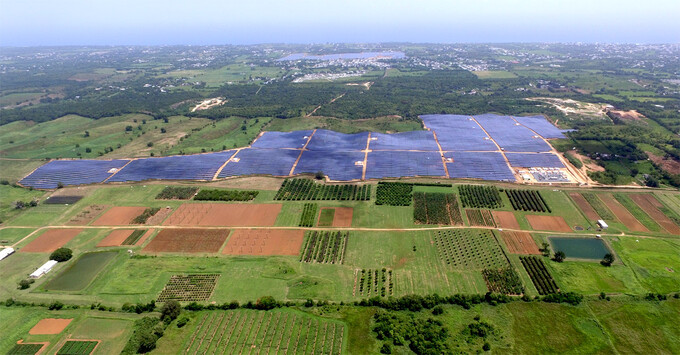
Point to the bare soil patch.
(670, 165)
(505, 219)
(651, 205)
(51, 240)
(548, 223)
(115, 238)
(622, 213)
(50, 326)
(189, 240)
(584, 206)
(227, 215)
(265, 242)
(118, 216)
(520, 242)
(87, 215)
(159, 217)
(631, 115)
(343, 216)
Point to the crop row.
(527, 200)
(148, 213)
(73, 347)
(195, 287)
(225, 195)
(544, 282)
(480, 218)
(598, 205)
(324, 247)
(304, 189)
(369, 282)
(308, 215)
(504, 281)
(436, 208)
(25, 349)
(480, 196)
(393, 194)
(134, 237)
(176, 193)
(469, 249)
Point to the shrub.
(386, 349)
(55, 305)
(170, 310)
(182, 322)
(607, 260)
(25, 283)
(559, 256)
(61, 254)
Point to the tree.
(163, 130)
(559, 256)
(607, 260)
(147, 342)
(25, 283)
(266, 303)
(61, 254)
(170, 311)
(319, 175)
(545, 248)
(128, 128)
(386, 349)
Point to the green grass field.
(81, 272)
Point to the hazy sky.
(77, 22)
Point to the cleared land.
(520, 242)
(584, 206)
(622, 213)
(50, 326)
(118, 216)
(87, 215)
(264, 242)
(115, 238)
(228, 215)
(651, 205)
(187, 241)
(505, 219)
(51, 240)
(548, 223)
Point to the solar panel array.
(511, 136)
(459, 133)
(71, 172)
(272, 139)
(541, 126)
(337, 165)
(329, 140)
(179, 167)
(383, 164)
(476, 165)
(416, 140)
(544, 160)
(276, 162)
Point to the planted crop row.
(134, 237)
(436, 208)
(176, 193)
(324, 247)
(393, 194)
(148, 213)
(544, 282)
(480, 218)
(195, 287)
(74, 347)
(225, 195)
(469, 249)
(504, 281)
(369, 282)
(25, 349)
(308, 215)
(304, 189)
(527, 200)
(598, 205)
(480, 196)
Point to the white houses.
(5, 252)
(43, 269)
(602, 224)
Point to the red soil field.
(548, 223)
(583, 204)
(118, 216)
(342, 217)
(520, 243)
(188, 240)
(226, 215)
(145, 237)
(50, 326)
(115, 238)
(265, 242)
(51, 240)
(651, 205)
(159, 217)
(622, 213)
(505, 219)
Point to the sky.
(198, 22)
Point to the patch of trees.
(225, 195)
(61, 254)
(422, 336)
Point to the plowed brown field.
(622, 213)
(583, 204)
(505, 219)
(145, 237)
(343, 216)
(187, 240)
(51, 240)
(115, 238)
(520, 242)
(651, 205)
(118, 216)
(265, 242)
(227, 215)
(548, 223)
(50, 326)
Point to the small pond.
(580, 248)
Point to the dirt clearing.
(51, 240)
(651, 205)
(50, 326)
(115, 238)
(118, 216)
(86, 216)
(505, 219)
(520, 243)
(622, 213)
(159, 217)
(670, 165)
(584, 206)
(224, 215)
(187, 240)
(548, 223)
(341, 218)
(264, 242)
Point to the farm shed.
(602, 224)
(6, 252)
(45, 268)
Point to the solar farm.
(486, 147)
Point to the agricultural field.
(194, 287)
(527, 200)
(324, 247)
(308, 216)
(469, 249)
(81, 272)
(479, 196)
(368, 283)
(264, 242)
(540, 276)
(187, 240)
(436, 208)
(480, 218)
(303, 189)
(393, 194)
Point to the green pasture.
(13, 235)
(15, 170)
(81, 272)
(654, 262)
(9, 195)
(17, 98)
(227, 133)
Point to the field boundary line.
(441, 153)
(114, 174)
(496, 144)
(217, 173)
(304, 147)
(363, 170)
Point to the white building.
(6, 252)
(602, 224)
(43, 269)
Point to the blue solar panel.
(330, 140)
(337, 165)
(416, 140)
(459, 133)
(71, 172)
(510, 135)
(295, 139)
(543, 160)
(476, 165)
(277, 162)
(180, 167)
(541, 126)
(400, 163)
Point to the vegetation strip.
(304, 189)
